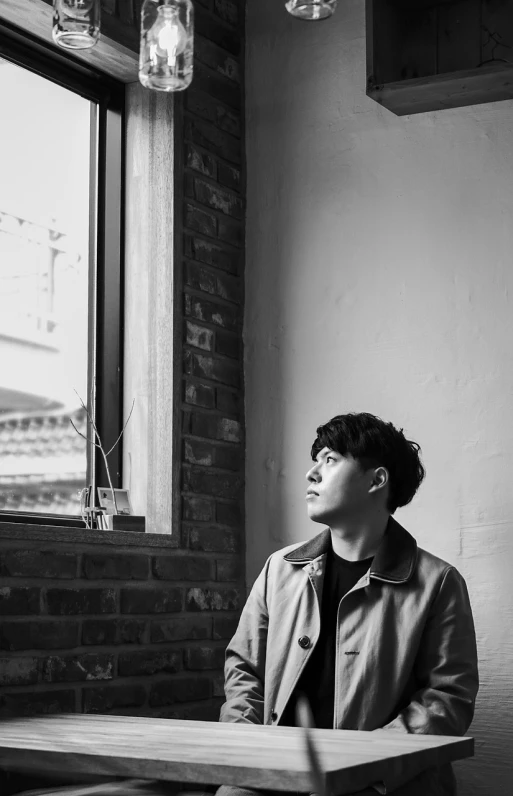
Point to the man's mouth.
(311, 494)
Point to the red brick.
(230, 231)
(186, 421)
(228, 11)
(216, 58)
(115, 566)
(229, 569)
(205, 482)
(213, 111)
(196, 508)
(188, 178)
(38, 563)
(183, 689)
(78, 668)
(201, 658)
(217, 198)
(208, 312)
(198, 599)
(212, 138)
(206, 25)
(229, 457)
(199, 220)
(182, 568)
(99, 631)
(107, 632)
(215, 427)
(229, 514)
(201, 161)
(209, 253)
(43, 634)
(223, 370)
(131, 631)
(149, 662)
(180, 629)
(81, 601)
(227, 92)
(228, 344)
(229, 288)
(32, 704)
(213, 540)
(229, 401)
(229, 176)
(101, 700)
(222, 285)
(218, 685)
(200, 394)
(225, 626)
(150, 601)
(206, 454)
(18, 671)
(19, 600)
(198, 452)
(229, 120)
(201, 278)
(198, 336)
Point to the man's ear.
(380, 479)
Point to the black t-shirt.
(317, 682)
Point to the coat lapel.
(394, 562)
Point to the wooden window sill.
(54, 533)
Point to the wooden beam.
(454, 90)
(152, 309)
(109, 56)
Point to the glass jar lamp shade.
(167, 44)
(311, 9)
(76, 23)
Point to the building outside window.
(53, 267)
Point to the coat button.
(304, 642)
(274, 716)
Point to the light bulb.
(166, 56)
(311, 10)
(168, 36)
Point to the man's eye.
(330, 458)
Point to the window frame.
(107, 292)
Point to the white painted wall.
(380, 278)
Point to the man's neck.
(359, 540)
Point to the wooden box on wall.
(425, 55)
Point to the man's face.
(338, 488)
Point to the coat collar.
(394, 561)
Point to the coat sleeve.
(246, 657)
(445, 668)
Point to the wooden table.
(207, 752)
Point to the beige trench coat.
(405, 653)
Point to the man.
(377, 633)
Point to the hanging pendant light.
(167, 44)
(76, 23)
(311, 9)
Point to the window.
(60, 279)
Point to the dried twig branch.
(122, 430)
(98, 444)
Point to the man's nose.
(313, 473)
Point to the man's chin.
(316, 516)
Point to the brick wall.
(127, 624)
(98, 628)
(213, 280)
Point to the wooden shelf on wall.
(424, 56)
